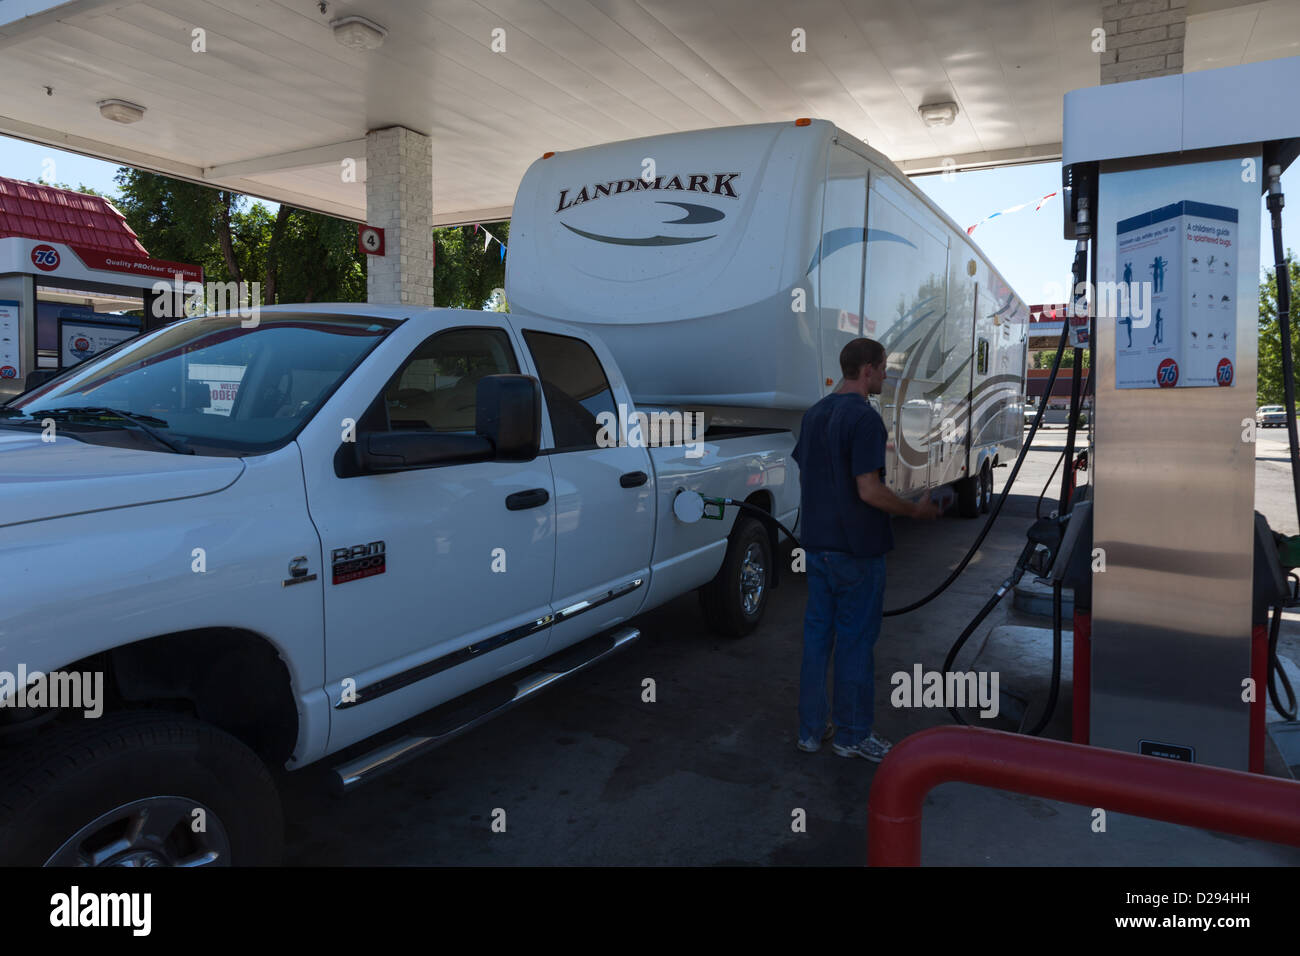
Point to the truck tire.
(734, 601)
(122, 790)
(968, 497)
(986, 487)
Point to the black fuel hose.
(1283, 277)
(765, 516)
(1038, 506)
(1011, 581)
(1077, 272)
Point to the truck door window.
(574, 386)
(435, 389)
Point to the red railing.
(1226, 801)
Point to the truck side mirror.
(508, 412)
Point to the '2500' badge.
(358, 561)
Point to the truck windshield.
(207, 384)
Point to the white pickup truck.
(229, 549)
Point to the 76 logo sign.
(45, 258)
(1167, 373)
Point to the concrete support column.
(399, 200)
(1144, 38)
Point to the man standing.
(845, 533)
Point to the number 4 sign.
(370, 240)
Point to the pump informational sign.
(1175, 265)
(9, 362)
(79, 340)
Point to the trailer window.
(574, 386)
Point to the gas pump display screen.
(1178, 265)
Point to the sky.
(1026, 247)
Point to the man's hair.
(858, 353)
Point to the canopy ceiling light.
(939, 114)
(358, 33)
(120, 111)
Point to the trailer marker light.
(803, 121)
(548, 155)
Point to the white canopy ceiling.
(275, 105)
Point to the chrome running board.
(367, 767)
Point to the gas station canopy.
(266, 97)
(70, 267)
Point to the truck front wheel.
(734, 601)
(137, 789)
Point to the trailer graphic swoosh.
(647, 241)
(695, 213)
(1005, 305)
(838, 239)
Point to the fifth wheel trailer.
(726, 268)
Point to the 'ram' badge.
(358, 561)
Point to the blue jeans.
(845, 603)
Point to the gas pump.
(1173, 570)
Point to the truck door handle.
(531, 498)
(633, 479)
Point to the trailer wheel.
(734, 601)
(968, 497)
(138, 789)
(986, 487)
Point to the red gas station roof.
(38, 211)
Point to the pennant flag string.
(488, 239)
(1037, 206)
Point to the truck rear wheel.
(138, 789)
(734, 601)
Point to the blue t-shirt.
(841, 437)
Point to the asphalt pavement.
(708, 773)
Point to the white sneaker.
(811, 746)
(873, 748)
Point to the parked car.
(1053, 416)
(1267, 416)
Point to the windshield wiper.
(143, 422)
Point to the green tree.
(1270, 390)
(464, 273)
(294, 255)
(1043, 358)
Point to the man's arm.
(875, 493)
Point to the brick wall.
(1144, 38)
